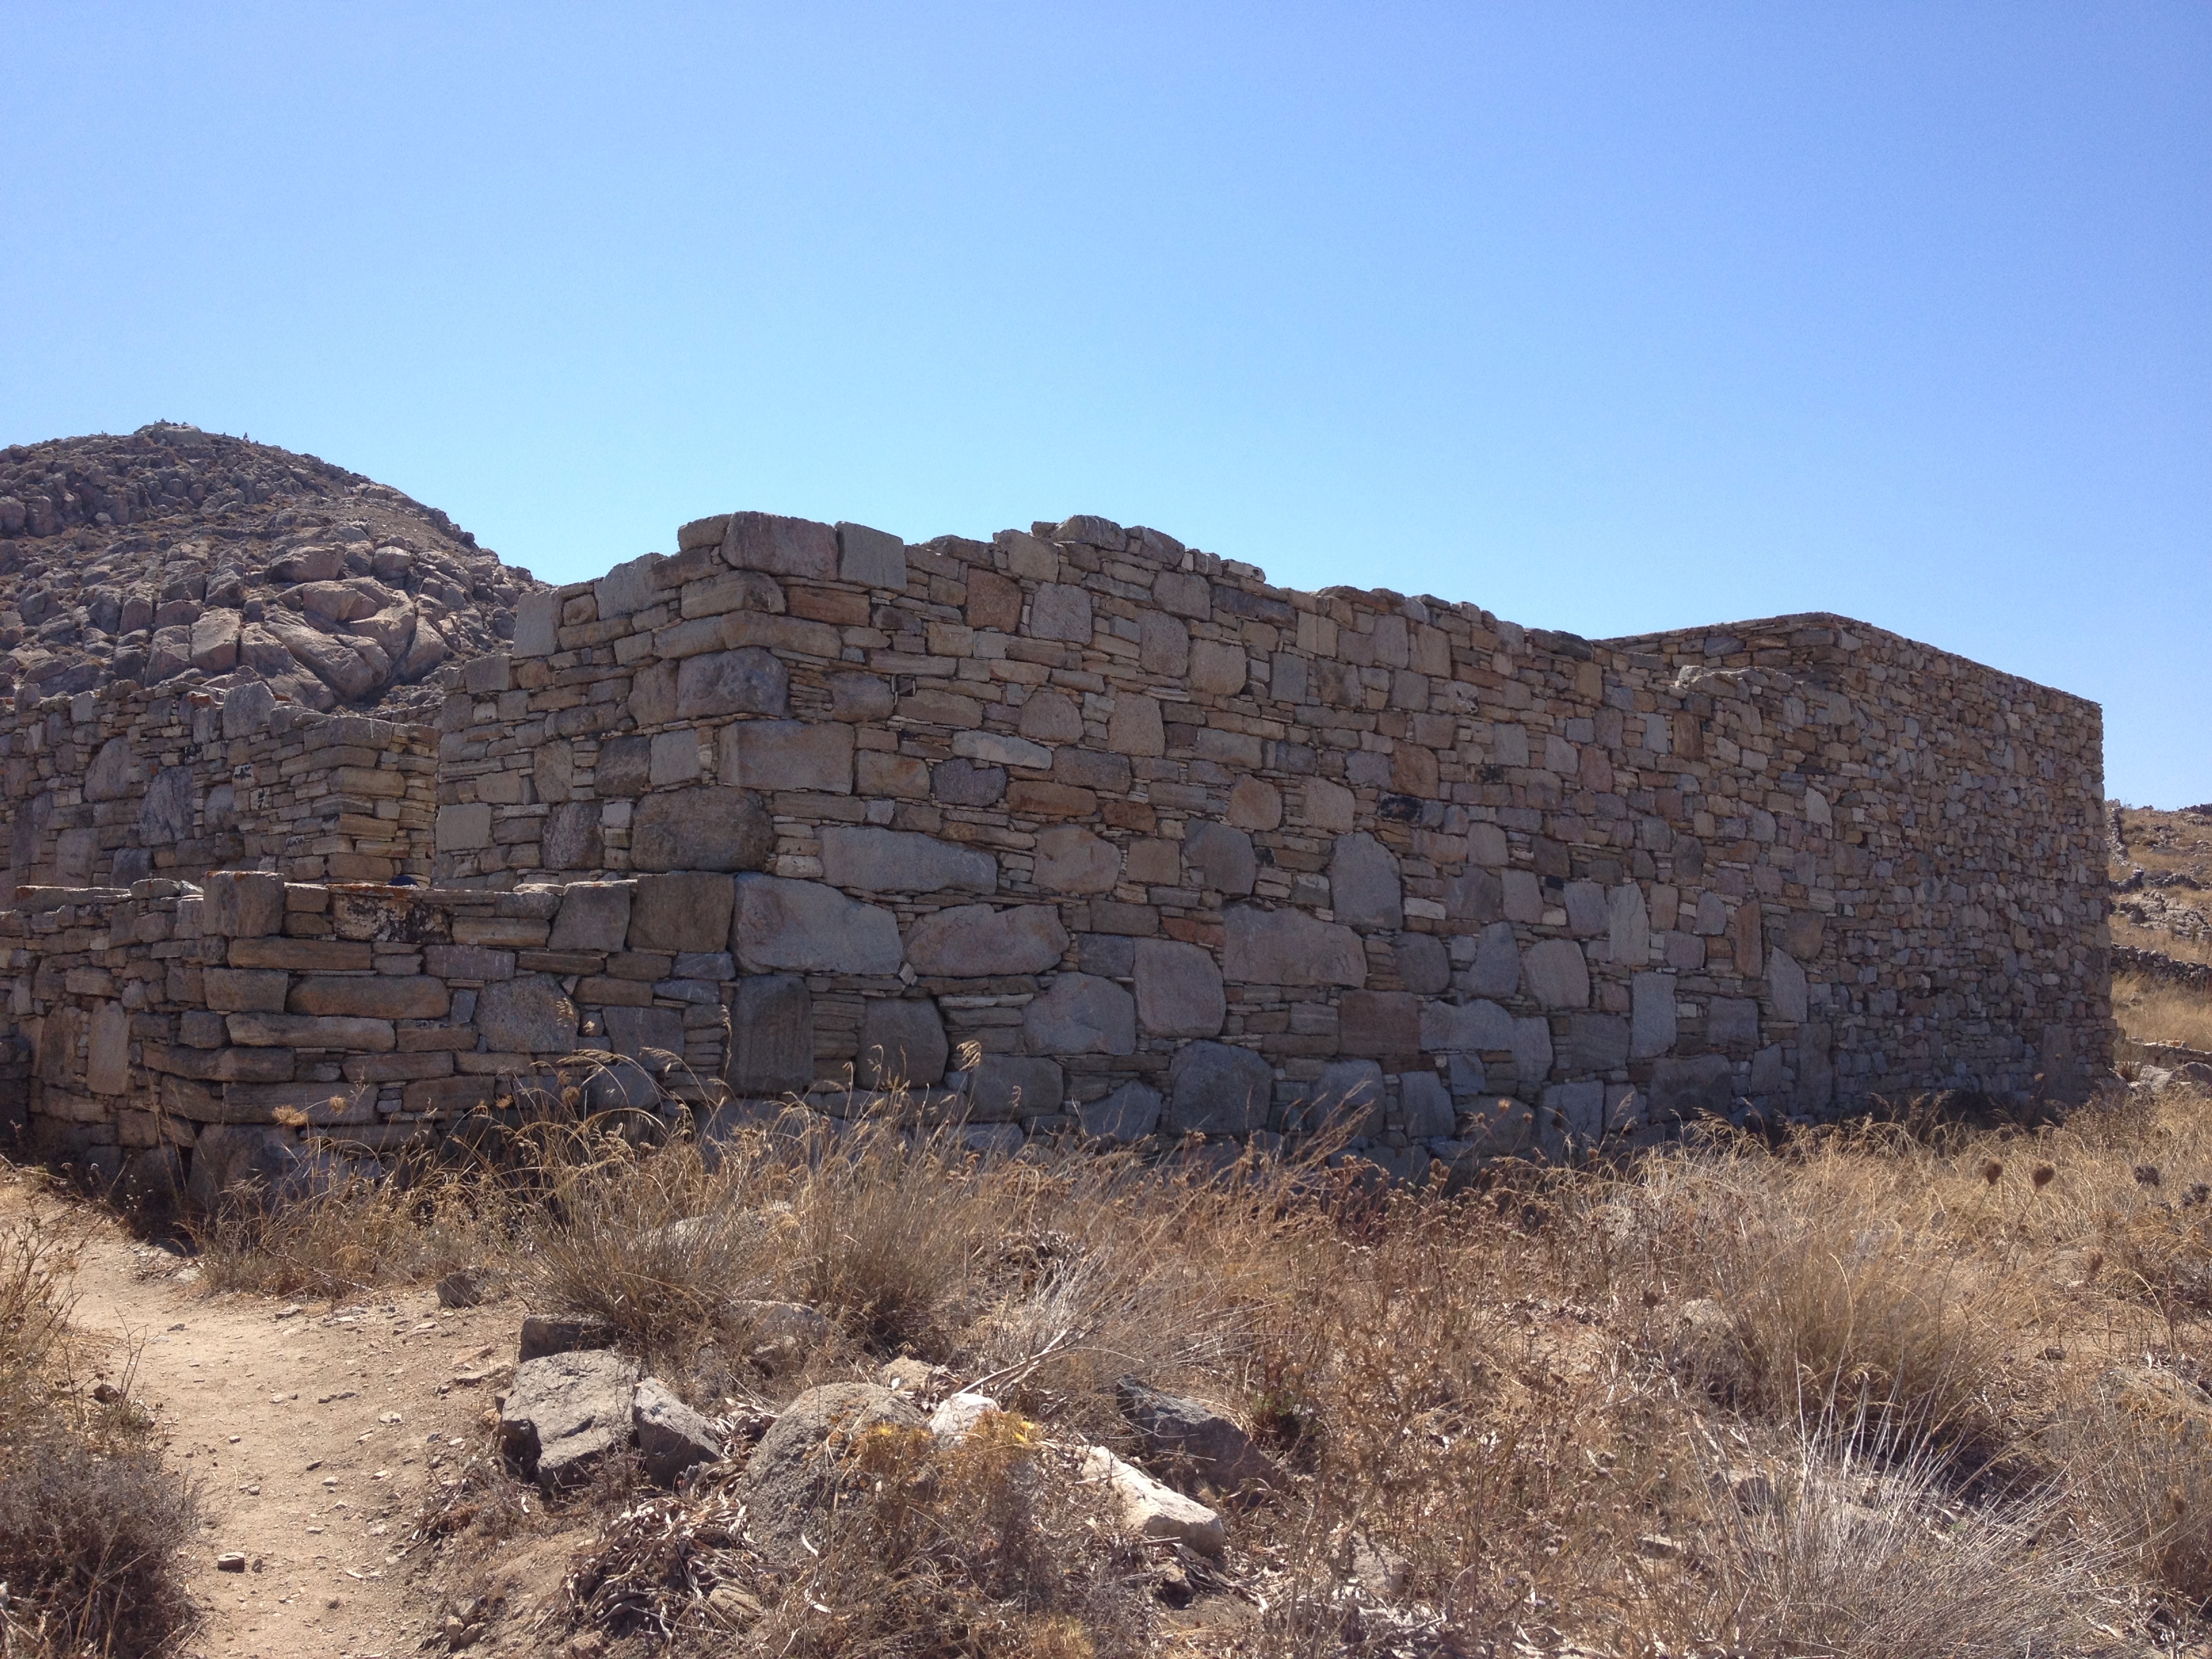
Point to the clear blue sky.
(1605, 317)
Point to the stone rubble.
(178, 557)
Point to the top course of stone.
(187, 560)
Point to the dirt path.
(314, 1431)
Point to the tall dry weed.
(1849, 1295)
(411, 1227)
(91, 1519)
(659, 1241)
(1859, 1549)
(2139, 1457)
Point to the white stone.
(1150, 1509)
(809, 927)
(1651, 1015)
(1628, 926)
(956, 1418)
(1001, 749)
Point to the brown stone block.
(1413, 771)
(742, 628)
(245, 990)
(599, 990)
(1746, 939)
(827, 604)
(309, 1032)
(993, 601)
(687, 910)
(395, 1068)
(221, 1065)
(1088, 770)
(449, 1096)
(380, 996)
(505, 932)
(1050, 801)
(561, 961)
(1129, 815)
(436, 1039)
(1128, 920)
(899, 775)
(324, 1104)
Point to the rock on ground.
(565, 1412)
(1150, 1509)
(955, 1420)
(797, 1467)
(1193, 1441)
(670, 1435)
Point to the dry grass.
(411, 1229)
(2147, 1474)
(91, 1519)
(1857, 1556)
(1840, 1308)
(2159, 939)
(2150, 1011)
(1490, 1429)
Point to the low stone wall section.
(113, 786)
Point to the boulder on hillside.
(1144, 1507)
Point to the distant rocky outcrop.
(174, 555)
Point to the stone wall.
(111, 785)
(1119, 798)
(272, 1014)
(1080, 829)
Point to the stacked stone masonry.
(1080, 830)
(110, 787)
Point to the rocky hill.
(175, 557)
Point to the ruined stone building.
(1074, 829)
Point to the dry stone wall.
(108, 786)
(1141, 827)
(1078, 831)
(171, 1033)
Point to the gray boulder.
(669, 1434)
(1081, 1014)
(1130, 1113)
(702, 828)
(530, 1014)
(973, 940)
(1217, 1089)
(802, 1461)
(1192, 1442)
(812, 928)
(565, 1412)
